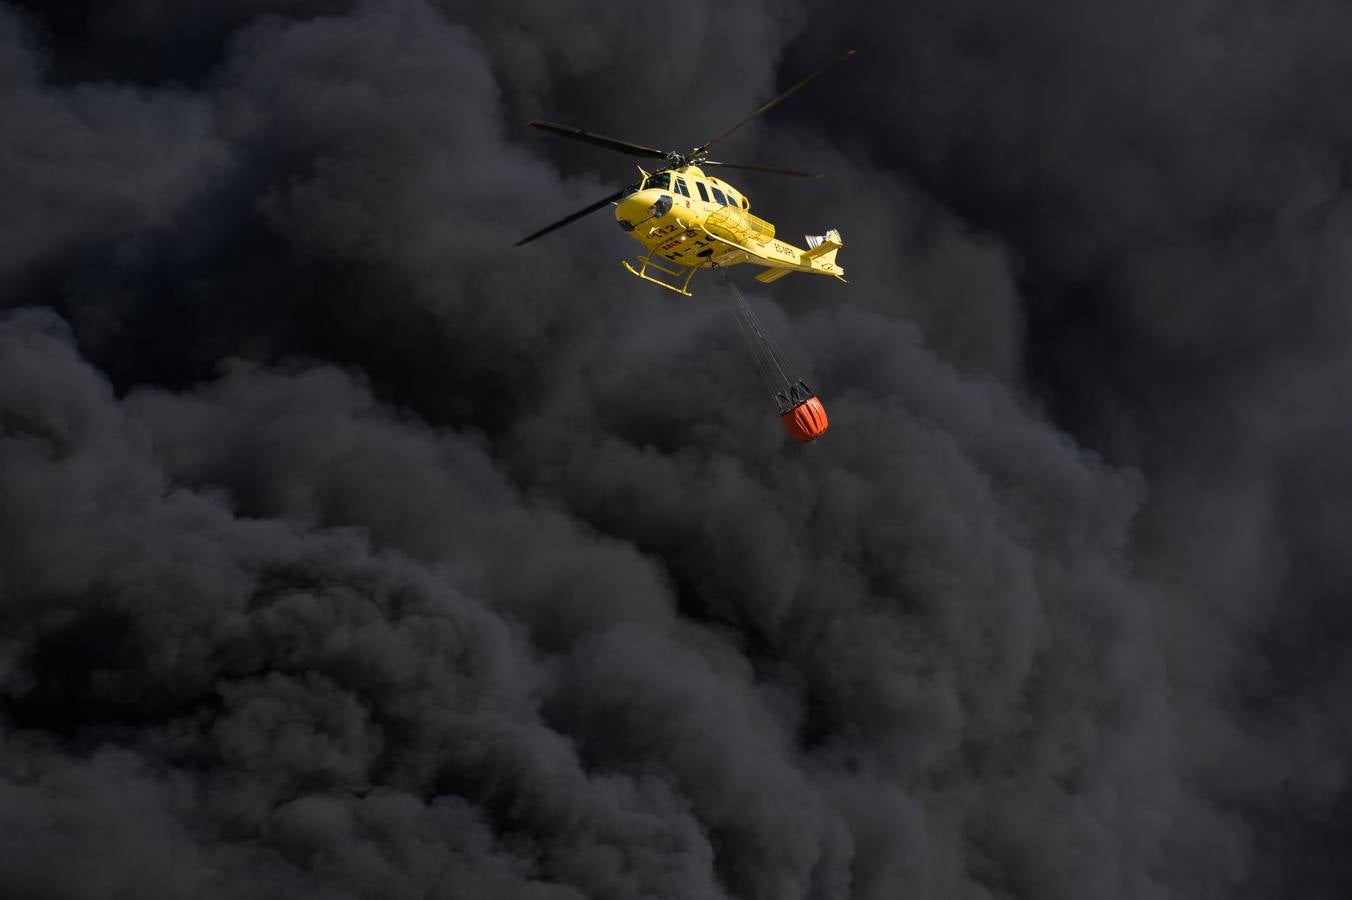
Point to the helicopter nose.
(640, 206)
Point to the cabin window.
(718, 195)
(681, 188)
(662, 181)
(703, 194)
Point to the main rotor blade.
(776, 170)
(573, 218)
(778, 100)
(600, 140)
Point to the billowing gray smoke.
(347, 552)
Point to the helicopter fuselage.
(686, 218)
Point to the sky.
(348, 551)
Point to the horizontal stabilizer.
(770, 276)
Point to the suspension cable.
(786, 391)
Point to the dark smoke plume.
(346, 551)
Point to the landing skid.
(642, 272)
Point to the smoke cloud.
(347, 551)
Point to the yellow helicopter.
(686, 219)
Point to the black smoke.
(346, 551)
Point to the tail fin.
(823, 246)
